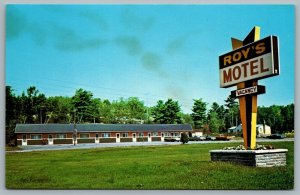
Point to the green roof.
(69, 128)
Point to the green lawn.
(159, 167)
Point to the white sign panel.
(254, 61)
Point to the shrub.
(184, 138)
(290, 135)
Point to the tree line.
(32, 107)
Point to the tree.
(23, 109)
(214, 122)
(288, 117)
(137, 110)
(11, 114)
(33, 105)
(158, 112)
(82, 103)
(184, 138)
(120, 111)
(279, 118)
(59, 109)
(186, 118)
(232, 112)
(172, 114)
(106, 112)
(11, 106)
(217, 113)
(167, 113)
(199, 113)
(94, 110)
(230, 102)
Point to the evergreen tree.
(82, 102)
(199, 113)
(167, 113)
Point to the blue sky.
(148, 51)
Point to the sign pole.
(248, 104)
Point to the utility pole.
(41, 117)
(75, 130)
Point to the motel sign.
(256, 60)
(251, 59)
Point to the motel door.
(118, 137)
(134, 137)
(162, 136)
(24, 140)
(50, 140)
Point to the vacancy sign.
(259, 89)
(256, 60)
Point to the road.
(105, 145)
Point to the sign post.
(250, 60)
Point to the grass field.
(159, 167)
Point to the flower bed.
(261, 156)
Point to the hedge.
(62, 141)
(19, 142)
(35, 142)
(107, 140)
(125, 139)
(86, 140)
(155, 139)
(142, 139)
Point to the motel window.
(141, 134)
(35, 136)
(24, 137)
(155, 134)
(84, 135)
(124, 134)
(172, 134)
(133, 135)
(106, 135)
(162, 134)
(61, 136)
(97, 136)
(176, 134)
(167, 134)
(149, 135)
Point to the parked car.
(210, 138)
(195, 138)
(172, 139)
(223, 137)
(276, 136)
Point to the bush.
(184, 138)
(289, 135)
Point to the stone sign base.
(256, 158)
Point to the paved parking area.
(105, 145)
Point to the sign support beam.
(248, 104)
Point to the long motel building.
(50, 134)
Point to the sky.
(151, 52)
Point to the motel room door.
(24, 140)
(50, 139)
(118, 137)
(149, 137)
(134, 137)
